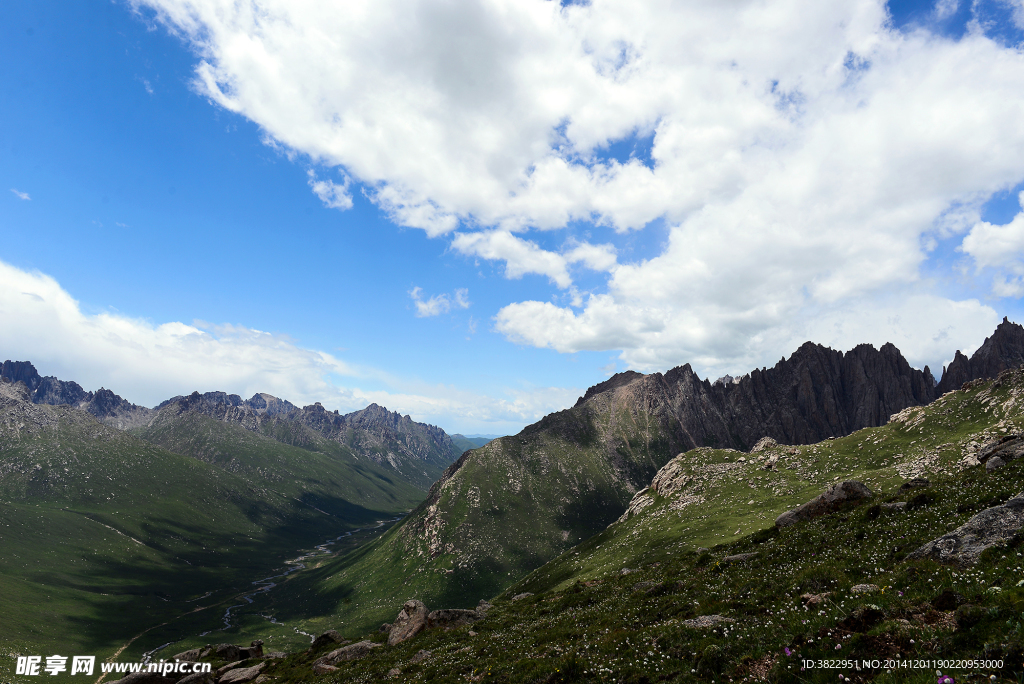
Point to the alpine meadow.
(511, 341)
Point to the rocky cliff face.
(1004, 349)
(814, 394)
(419, 451)
(103, 404)
(569, 475)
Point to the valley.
(212, 519)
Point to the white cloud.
(438, 304)
(999, 248)
(147, 363)
(333, 196)
(946, 8)
(20, 195)
(520, 256)
(1017, 9)
(805, 156)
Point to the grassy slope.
(327, 480)
(729, 498)
(105, 536)
(514, 504)
(589, 622)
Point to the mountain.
(1003, 350)
(107, 537)
(697, 582)
(465, 443)
(103, 404)
(505, 509)
(417, 452)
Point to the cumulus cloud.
(1000, 249)
(148, 362)
(805, 156)
(333, 196)
(20, 195)
(438, 304)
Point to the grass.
(109, 540)
(589, 621)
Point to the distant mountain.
(106, 536)
(102, 404)
(508, 507)
(417, 452)
(465, 443)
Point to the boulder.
(739, 557)
(411, 620)
(450, 618)
(707, 621)
(228, 652)
(328, 637)
(1006, 448)
(321, 668)
(255, 650)
(190, 656)
(963, 546)
(915, 483)
(197, 678)
(864, 588)
(826, 502)
(814, 599)
(241, 674)
(355, 651)
(225, 668)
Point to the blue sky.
(166, 227)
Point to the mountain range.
(287, 475)
(417, 452)
(503, 510)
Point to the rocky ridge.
(568, 476)
(418, 451)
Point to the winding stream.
(268, 583)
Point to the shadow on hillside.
(119, 599)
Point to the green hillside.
(498, 513)
(107, 537)
(618, 608)
(324, 475)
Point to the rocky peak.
(616, 381)
(1003, 350)
(103, 404)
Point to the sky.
(469, 211)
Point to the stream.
(268, 583)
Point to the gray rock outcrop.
(411, 620)
(1006, 449)
(241, 674)
(328, 637)
(964, 545)
(355, 651)
(826, 502)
